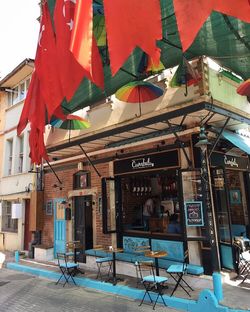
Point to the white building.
(16, 181)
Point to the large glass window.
(193, 205)
(9, 150)
(20, 156)
(18, 93)
(8, 224)
(150, 203)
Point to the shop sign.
(194, 213)
(148, 162)
(228, 161)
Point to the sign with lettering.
(228, 161)
(194, 213)
(155, 161)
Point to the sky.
(19, 30)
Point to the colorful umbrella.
(147, 65)
(72, 122)
(99, 27)
(244, 88)
(185, 75)
(138, 92)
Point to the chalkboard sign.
(194, 213)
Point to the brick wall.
(65, 173)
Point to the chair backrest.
(61, 258)
(140, 250)
(146, 268)
(239, 242)
(96, 248)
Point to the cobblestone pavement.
(23, 293)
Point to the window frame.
(8, 224)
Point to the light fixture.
(28, 187)
(203, 141)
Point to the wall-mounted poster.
(49, 208)
(194, 213)
(235, 197)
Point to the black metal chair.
(67, 268)
(140, 250)
(103, 263)
(242, 257)
(177, 272)
(152, 283)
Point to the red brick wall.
(66, 176)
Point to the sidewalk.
(235, 296)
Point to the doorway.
(83, 224)
(27, 232)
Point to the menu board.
(194, 213)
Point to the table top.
(156, 254)
(74, 244)
(114, 250)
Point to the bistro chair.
(177, 272)
(242, 257)
(140, 250)
(152, 283)
(66, 267)
(103, 263)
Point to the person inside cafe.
(174, 224)
(148, 211)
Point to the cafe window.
(8, 224)
(81, 180)
(150, 203)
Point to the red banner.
(130, 24)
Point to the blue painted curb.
(207, 301)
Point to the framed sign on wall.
(194, 213)
(49, 207)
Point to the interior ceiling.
(155, 130)
(223, 38)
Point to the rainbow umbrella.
(153, 67)
(244, 88)
(185, 75)
(72, 122)
(138, 92)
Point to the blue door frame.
(59, 227)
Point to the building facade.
(17, 183)
(102, 178)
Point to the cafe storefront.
(230, 179)
(177, 213)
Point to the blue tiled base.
(207, 301)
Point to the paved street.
(23, 293)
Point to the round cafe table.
(156, 255)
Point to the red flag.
(46, 65)
(239, 9)
(192, 14)
(83, 44)
(70, 71)
(34, 112)
(130, 24)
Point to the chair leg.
(186, 284)
(110, 268)
(70, 274)
(147, 288)
(178, 283)
(62, 275)
(160, 294)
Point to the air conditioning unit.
(16, 211)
